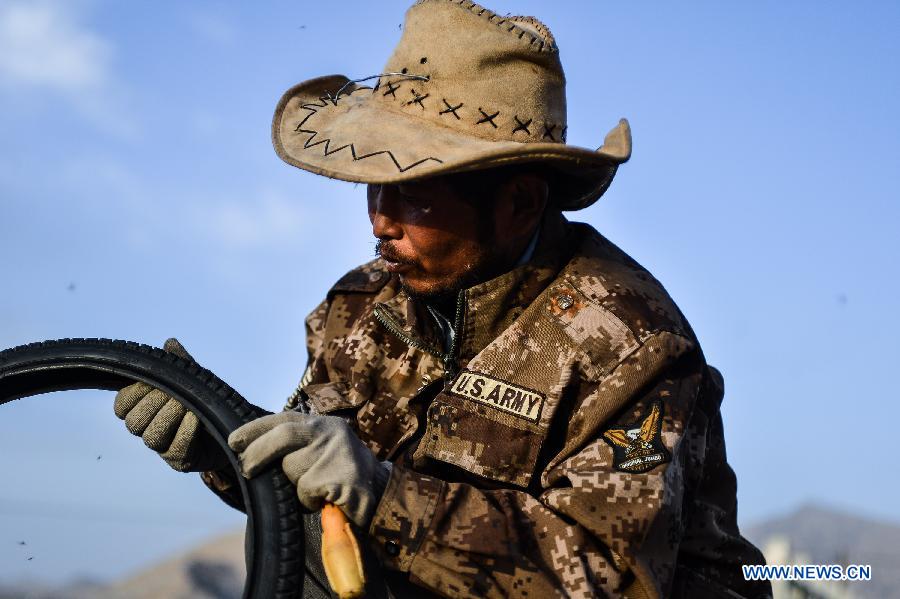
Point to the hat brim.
(360, 139)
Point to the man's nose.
(381, 209)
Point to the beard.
(476, 268)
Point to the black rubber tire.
(274, 543)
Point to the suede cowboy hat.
(464, 90)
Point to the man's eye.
(420, 204)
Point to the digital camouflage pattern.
(506, 481)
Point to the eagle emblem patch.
(639, 447)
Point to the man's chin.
(427, 289)
(416, 282)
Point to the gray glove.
(167, 427)
(319, 454)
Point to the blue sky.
(140, 199)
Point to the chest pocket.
(489, 427)
(493, 419)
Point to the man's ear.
(526, 197)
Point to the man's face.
(436, 240)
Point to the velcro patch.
(507, 397)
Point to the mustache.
(390, 253)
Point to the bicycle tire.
(274, 542)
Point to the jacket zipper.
(391, 325)
(450, 357)
(447, 359)
(382, 316)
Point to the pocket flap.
(324, 398)
(466, 437)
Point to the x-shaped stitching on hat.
(548, 131)
(451, 109)
(488, 118)
(522, 126)
(391, 89)
(417, 99)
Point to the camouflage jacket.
(568, 443)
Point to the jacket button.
(392, 548)
(565, 301)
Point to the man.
(504, 402)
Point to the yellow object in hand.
(340, 554)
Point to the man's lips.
(397, 267)
(394, 262)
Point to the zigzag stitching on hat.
(313, 108)
(548, 45)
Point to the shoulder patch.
(638, 447)
(368, 278)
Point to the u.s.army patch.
(498, 394)
(639, 447)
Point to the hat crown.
(495, 77)
(465, 89)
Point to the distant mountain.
(213, 570)
(821, 535)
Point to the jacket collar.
(487, 309)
